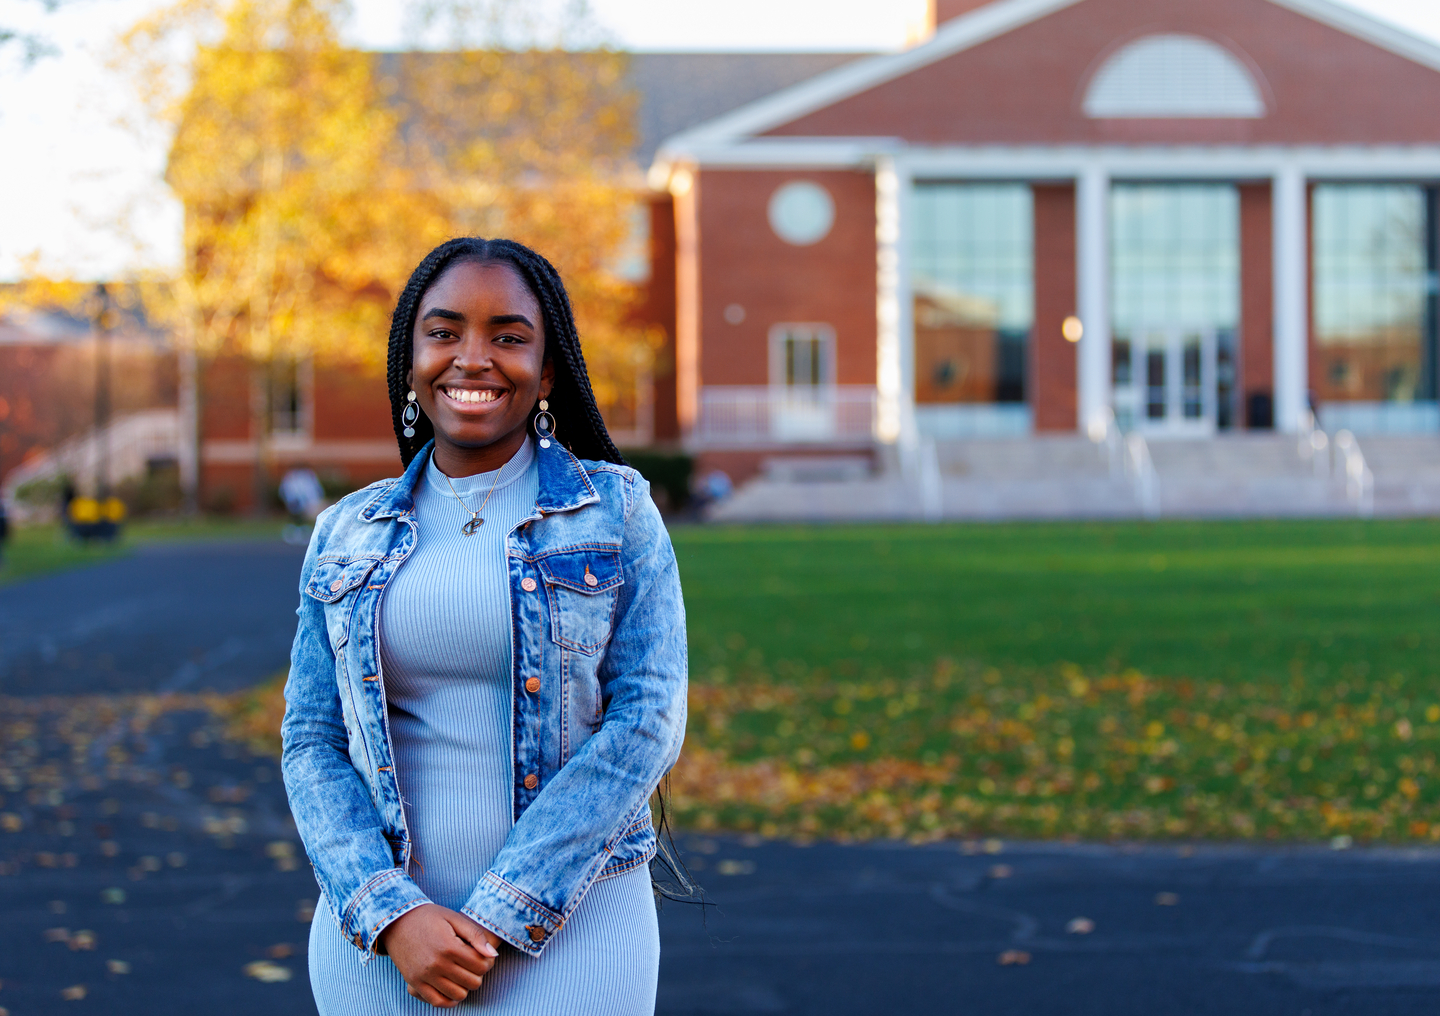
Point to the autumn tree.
(315, 176)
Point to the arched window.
(1173, 75)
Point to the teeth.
(468, 395)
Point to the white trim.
(890, 295)
(1066, 162)
(1367, 29)
(241, 452)
(1092, 291)
(982, 25)
(826, 89)
(1290, 288)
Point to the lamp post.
(102, 393)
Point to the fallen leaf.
(736, 867)
(994, 846)
(267, 972)
(74, 993)
(82, 940)
(1166, 899)
(109, 848)
(1013, 958)
(117, 966)
(113, 896)
(280, 950)
(305, 911)
(11, 822)
(1080, 926)
(1001, 871)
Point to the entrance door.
(1165, 381)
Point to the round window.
(801, 212)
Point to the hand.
(442, 955)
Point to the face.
(478, 364)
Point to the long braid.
(580, 427)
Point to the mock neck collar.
(564, 484)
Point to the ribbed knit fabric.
(446, 656)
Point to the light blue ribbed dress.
(446, 652)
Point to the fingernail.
(488, 949)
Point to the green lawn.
(1182, 679)
(1212, 600)
(36, 550)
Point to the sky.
(81, 194)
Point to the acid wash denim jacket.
(598, 700)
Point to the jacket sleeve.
(564, 838)
(343, 834)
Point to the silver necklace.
(473, 526)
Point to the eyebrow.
(498, 319)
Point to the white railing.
(1312, 444)
(767, 415)
(129, 445)
(1359, 481)
(1128, 455)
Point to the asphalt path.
(186, 617)
(148, 865)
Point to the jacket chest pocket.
(582, 587)
(334, 583)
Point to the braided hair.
(580, 427)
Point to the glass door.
(1165, 380)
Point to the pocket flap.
(585, 571)
(333, 579)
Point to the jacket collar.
(564, 485)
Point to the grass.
(38, 550)
(1250, 679)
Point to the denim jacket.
(598, 700)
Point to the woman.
(488, 680)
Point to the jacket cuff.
(376, 906)
(519, 919)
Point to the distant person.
(4, 530)
(304, 497)
(477, 811)
(713, 487)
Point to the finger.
(449, 988)
(474, 934)
(427, 994)
(464, 957)
(454, 972)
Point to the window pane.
(972, 265)
(1370, 278)
(1175, 256)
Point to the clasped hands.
(442, 954)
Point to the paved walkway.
(166, 618)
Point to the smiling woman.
(509, 712)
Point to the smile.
(471, 396)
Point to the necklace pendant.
(473, 526)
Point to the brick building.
(1205, 218)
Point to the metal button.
(591, 580)
(532, 685)
(532, 781)
(335, 586)
(527, 584)
(537, 933)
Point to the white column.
(1092, 284)
(1291, 268)
(894, 325)
(687, 300)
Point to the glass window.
(1370, 297)
(972, 262)
(802, 355)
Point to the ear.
(410, 379)
(547, 377)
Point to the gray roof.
(680, 90)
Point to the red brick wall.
(1257, 309)
(1026, 86)
(1051, 391)
(743, 262)
(352, 404)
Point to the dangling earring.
(410, 414)
(544, 424)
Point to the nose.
(473, 355)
